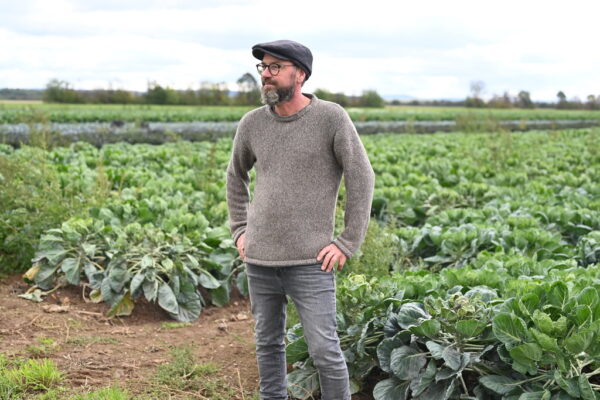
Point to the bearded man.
(300, 147)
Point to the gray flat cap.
(286, 50)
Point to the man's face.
(278, 88)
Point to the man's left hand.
(330, 255)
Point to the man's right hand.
(240, 245)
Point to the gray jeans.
(313, 293)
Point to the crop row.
(487, 286)
(59, 113)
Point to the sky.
(407, 49)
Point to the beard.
(276, 95)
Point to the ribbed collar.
(299, 114)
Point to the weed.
(46, 346)
(175, 325)
(110, 393)
(183, 375)
(27, 376)
(83, 341)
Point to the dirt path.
(96, 352)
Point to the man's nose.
(266, 73)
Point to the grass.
(22, 377)
(83, 340)
(182, 375)
(175, 325)
(46, 346)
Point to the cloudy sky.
(422, 49)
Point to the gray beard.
(276, 96)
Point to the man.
(300, 146)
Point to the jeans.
(313, 293)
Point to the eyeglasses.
(273, 68)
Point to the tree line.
(523, 100)
(212, 94)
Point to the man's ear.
(301, 76)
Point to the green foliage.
(37, 195)
(110, 393)
(18, 378)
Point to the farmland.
(478, 277)
(11, 113)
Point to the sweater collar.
(299, 114)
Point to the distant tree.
(248, 90)
(155, 94)
(503, 101)
(475, 99)
(339, 98)
(524, 100)
(370, 98)
(593, 102)
(58, 91)
(562, 99)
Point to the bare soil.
(95, 352)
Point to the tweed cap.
(286, 50)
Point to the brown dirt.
(95, 352)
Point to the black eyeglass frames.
(274, 68)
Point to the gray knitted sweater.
(299, 161)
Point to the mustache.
(267, 80)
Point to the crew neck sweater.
(299, 161)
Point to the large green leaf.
(384, 351)
(509, 329)
(411, 314)
(220, 296)
(585, 389)
(539, 395)
(452, 357)
(167, 300)
(296, 351)
(558, 294)
(429, 328)
(303, 382)
(470, 328)
(123, 307)
(189, 303)
(435, 349)
(207, 280)
(406, 362)
(150, 287)
(579, 341)
(136, 282)
(442, 390)
(391, 389)
(72, 269)
(241, 281)
(118, 276)
(571, 386)
(422, 382)
(501, 385)
(546, 342)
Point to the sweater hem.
(286, 263)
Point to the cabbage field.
(478, 279)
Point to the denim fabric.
(313, 293)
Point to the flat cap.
(286, 50)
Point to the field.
(478, 277)
(17, 112)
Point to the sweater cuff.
(342, 248)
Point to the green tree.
(248, 90)
(524, 100)
(370, 98)
(58, 91)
